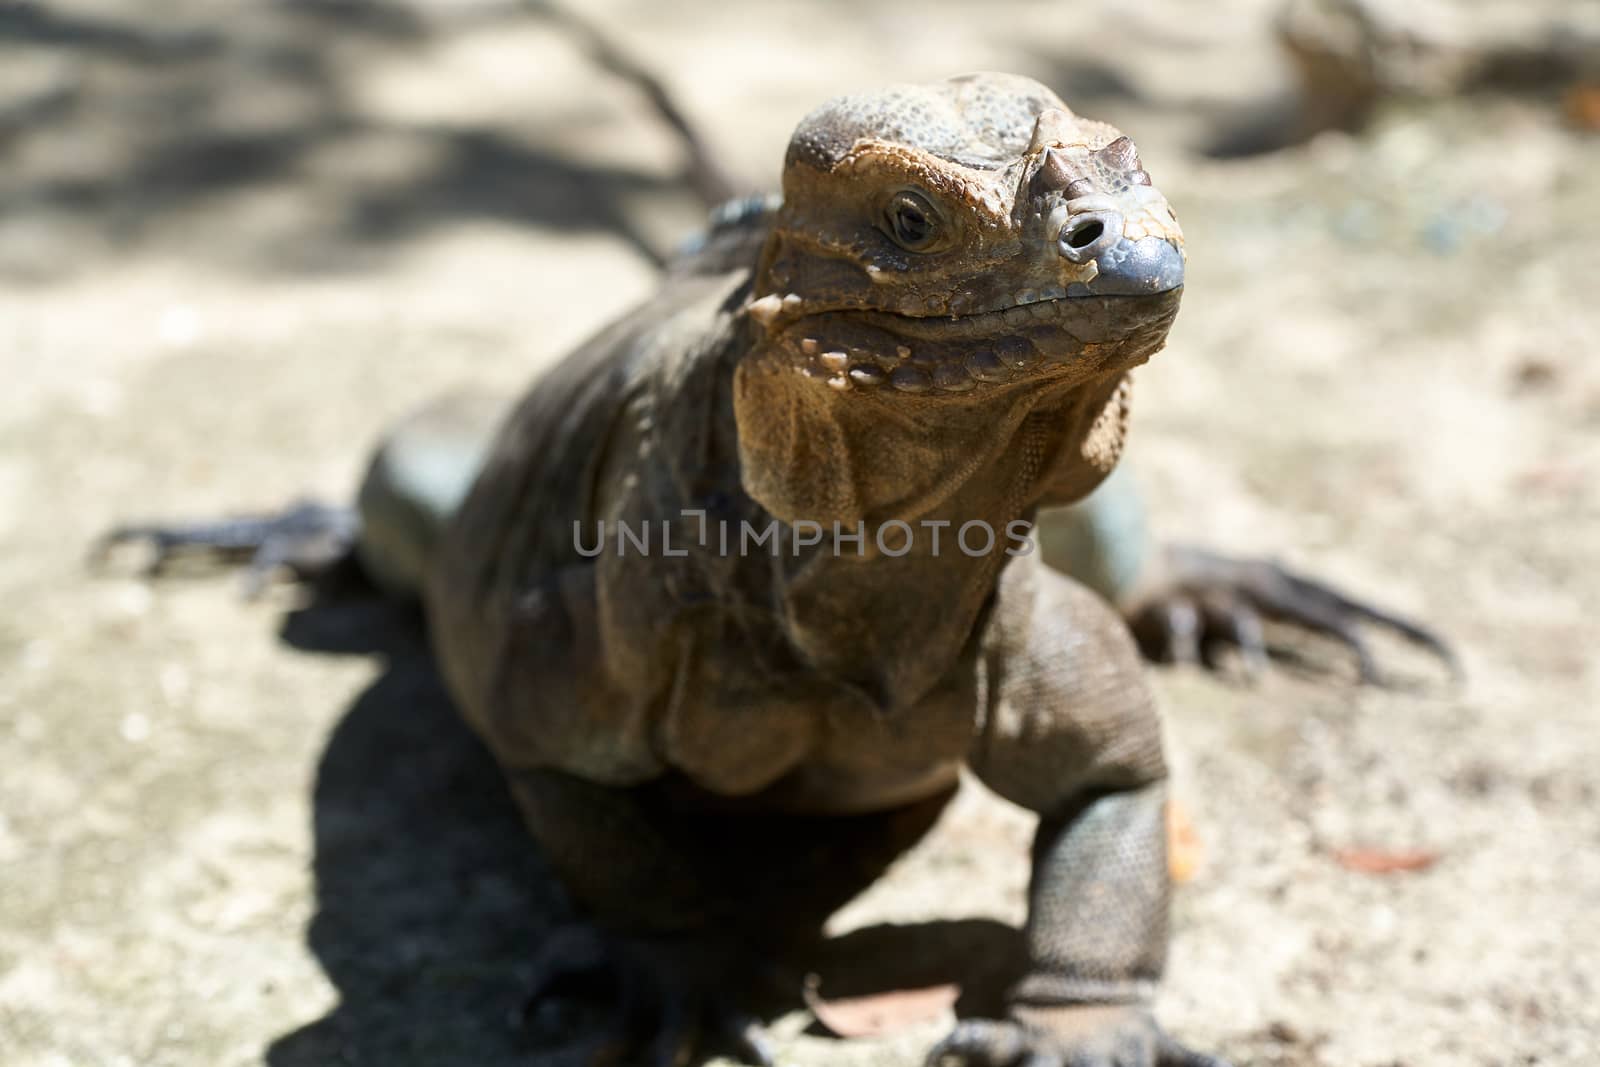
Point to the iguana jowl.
(935, 329)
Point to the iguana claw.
(665, 999)
(1090, 1036)
(1207, 601)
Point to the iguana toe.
(660, 1002)
(1209, 601)
(1068, 1036)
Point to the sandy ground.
(230, 249)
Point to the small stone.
(135, 727)
(180, 326)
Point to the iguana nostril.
(1087, 235)
(1082, 236)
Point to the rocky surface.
(231, 248)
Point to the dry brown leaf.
(1384, 861)
(877, 1014)
(1583, 106)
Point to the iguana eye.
(912, 221)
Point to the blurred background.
(236, 239)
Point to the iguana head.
(966, 235)
(947, 260)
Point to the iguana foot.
(307, 538)
(1090, 1035)
(666, 1001)
(1209, 601)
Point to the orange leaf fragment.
(1583, 106)
(1384, 861)
(877, 1014)
(1183, 844)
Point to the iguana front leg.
(1096, 941)
(1069, 730)
(691, 906)
(657, 964)
(1184, 602)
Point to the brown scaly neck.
(863, 458)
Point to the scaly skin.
(939, 329)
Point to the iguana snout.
(1097, 207)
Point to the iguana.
(871, 383)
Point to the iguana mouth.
(1022, 343)
(1145, 265)
(1097, 317)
